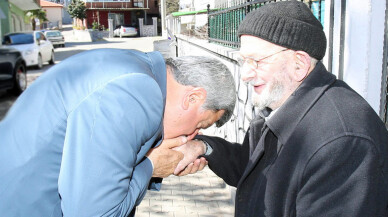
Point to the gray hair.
(313, 61)
(210, 74)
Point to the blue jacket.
(74, 142)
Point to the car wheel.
(20, 80)
(52, 60)
(40, 62)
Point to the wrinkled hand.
(164, 159)
(194, 167)
(191, 150)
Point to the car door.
(6, 66)
(45, 46)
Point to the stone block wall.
(148, 30)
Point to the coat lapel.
(256, 147)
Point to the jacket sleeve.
(101, 173)
(227, 160)
(343, 178)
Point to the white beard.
(272, 93)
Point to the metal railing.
(384, 83)
(225, 20)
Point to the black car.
(13, 72)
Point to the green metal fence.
(224, 21)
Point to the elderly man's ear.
(194, 98)
(302, 65)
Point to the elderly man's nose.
(247, 74)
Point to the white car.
(55, 37)
(34, 46)
(125, 30)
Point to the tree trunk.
(33, 24)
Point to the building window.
(138, 3)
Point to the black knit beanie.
(289, 24)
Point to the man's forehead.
(251, 45)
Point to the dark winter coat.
(325, 155)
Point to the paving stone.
(198, 195)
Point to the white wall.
(54, 15)
(363, 46)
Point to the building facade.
(53, 13)
(14, 13)
(123, 12)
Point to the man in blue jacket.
(75, 142)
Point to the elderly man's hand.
(164, 159)
(190, 164)
(193, 167)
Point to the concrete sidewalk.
(201, 195)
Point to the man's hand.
(164, 159)
(191, 150)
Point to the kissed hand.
(190, 164)
(164, 158)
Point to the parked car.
(34, 46)
(124, 30)
(13, 72)
(55, 37)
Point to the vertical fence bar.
(208, 22)
(384, 79)
(331, 33)
(342, 41)
(320, 10)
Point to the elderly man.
(75, 142)
(322, 151)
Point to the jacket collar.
(288, 116)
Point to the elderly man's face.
(267, 71)
(184, 114)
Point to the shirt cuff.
(209, 149)
(152, 164)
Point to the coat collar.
(288, 116)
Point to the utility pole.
(163, 18)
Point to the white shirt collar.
(271, 114)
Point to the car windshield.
(53, 34)
(18, 38)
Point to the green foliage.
(77, 9)
(172, 6)
(36, 14)
(95, 25)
